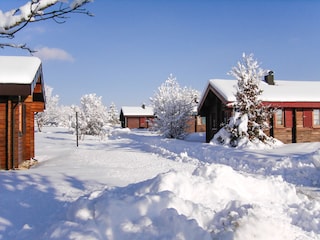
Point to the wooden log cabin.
(21, 96)
(296, 104)
(143, 117)
(136, 117)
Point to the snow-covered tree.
(78, 121)
(92, 115)
(173, 107)
(67, 114)
(113, 115)
(251, 117)
(18, 18)
(51, 115)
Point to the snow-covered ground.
(137, 185)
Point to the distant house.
(297, 104)
(136, 117)
(21, 96)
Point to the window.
(201, 120)
(316, 117)
(279, 117)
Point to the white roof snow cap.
(18, 69)
(137, 111)
(282, 91)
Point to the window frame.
(317, 118)
(281, 124)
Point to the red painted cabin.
(136, 117)
(297, 104)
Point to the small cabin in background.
(143, 117)
(21, 96)
(297, 104)
(136, 117)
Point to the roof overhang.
(131, 111)
(209, 89)
(292, 104)
(16, 80)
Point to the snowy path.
(99, 164)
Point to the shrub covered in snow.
(173, 106)
(51, 116)
(92, 116)
(113, 115)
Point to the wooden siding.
(283, 134)
(137, 122)
(16, 132)
(37, 107)
(9, 139)
(308, 135)
(3, 136)
(133, 122)
(195, 125)
(302, 131)
(29, 134)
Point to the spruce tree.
(248, 102)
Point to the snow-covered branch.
(16, 19)
(21, 46)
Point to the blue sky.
(129, 48)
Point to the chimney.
(269, 78)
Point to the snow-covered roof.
(282, 91)
(137, 111)
(18, 69)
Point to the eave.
(292, 104)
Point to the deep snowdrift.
(214, 202)
(177, 190)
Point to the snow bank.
(114, 133)
(316, 158)
(213, 202)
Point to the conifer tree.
(251, 117)
(248, 102)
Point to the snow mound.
(115, 133)
(213, 202)
(316, 158)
